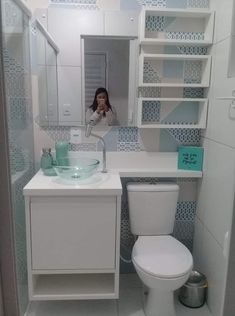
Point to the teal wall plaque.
(190, 158)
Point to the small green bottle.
(47, 162)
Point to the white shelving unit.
(167, 105)
(184, 21)
(174, 69)
(157, 61)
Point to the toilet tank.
(152, 208)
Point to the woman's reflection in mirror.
(101, 111)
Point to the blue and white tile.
(198, 3)
(186, 211)
(127, 134)
(157, 3)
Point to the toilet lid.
(162, 256)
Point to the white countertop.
(148, 164)
(98, 184)
(143, 164)
(119, 164)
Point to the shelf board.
(175, 57)
(173, 99)
(175, 85)
(74, 286)
(193, 13)
(162, 41)
(188, 126)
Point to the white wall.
(216, 193)
(103, 4)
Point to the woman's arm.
(112, 117)
(94, 116)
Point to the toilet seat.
(162, 256)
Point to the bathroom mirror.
(110, 63)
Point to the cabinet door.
(118, 23)
(67, 26)
(69, 92)
(73, 233)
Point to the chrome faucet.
(88, 133)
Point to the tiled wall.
(20, 128)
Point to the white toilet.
(162, 262)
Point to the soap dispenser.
(62, 150)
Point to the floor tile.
(74, 308)
(129, 280)
(130, 303)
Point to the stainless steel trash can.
(193, 292)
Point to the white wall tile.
(223, 18)
(214, 266)
(220, 126)
(215, 200)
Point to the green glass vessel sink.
(75, 169)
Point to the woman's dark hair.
(95, 104)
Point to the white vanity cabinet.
(73, 236)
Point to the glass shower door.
(19, 123)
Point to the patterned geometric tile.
(157, 3)
(198, 3)
(193, 50)
(193, 93)
(183, 231)
(128, 134)
(193, 36)
(80, 4)
(150, 74)
(155, 23)
(192, 71)
(186, 210)
(12, 15)
(149, 92)
(151, 111)
(186, 136)
(124, 146)
(58, 133)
